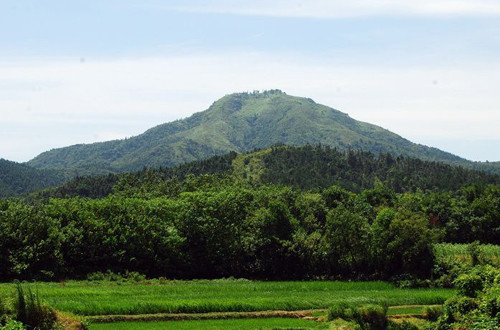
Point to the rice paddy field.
(211, 296)
(230, 324)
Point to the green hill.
(238, 122)
(304, 167)
(17, 179)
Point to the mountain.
(17, 179)
(238, 122)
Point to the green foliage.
(367, 316)
(405, 325)
(18, 179)
(31, 312)
(432, 313)
(215, 225)
(468, 285)
(477, 303)
(12, 324)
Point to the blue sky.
(86, 71)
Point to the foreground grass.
(207, 296)
(272, 323)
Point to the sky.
(86, 71)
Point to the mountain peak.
(237, 122)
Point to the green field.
(452, 253)
(271, 323)
(208, 296)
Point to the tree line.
(212, 226)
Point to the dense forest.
(251, 216)
(306, 167)
(17, 179)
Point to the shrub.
(12, 325)
(468, 284)
(6, 309)
(405, 325)
(31, 312)
(432, 313)
(368, 316)
(344, 311)
(372, 317)
(116, 277)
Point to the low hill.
(238, 122)
(305, 167)
(17, 179)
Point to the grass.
(404, 310)
(209, 296)
(272, 323)
(449, 253)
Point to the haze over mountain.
(237, 122)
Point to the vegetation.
(477, 302)
(219, 225)
(300, 167)
(17, 179)
(211, 296)
(368, 316)
(467, 254)
(239, 122)
(236, 324)
(135, 241)
(26, 311)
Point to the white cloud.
(342, 8)
(55, 103)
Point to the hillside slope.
(17, 179)
(305, 167)
(237, 122)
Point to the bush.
(116, 277)
(405, 325)
(432, 313)
(372, 317)
(12, 325)
(468, 284)
(369, 316)
(344, 311)
(31, 312)
(6, 309)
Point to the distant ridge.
(239, 122)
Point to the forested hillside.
(306, 167)
(17, 179)
(238, 122)
(213, 226)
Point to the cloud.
(57, 102)
(344, 9)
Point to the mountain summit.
(237, 122)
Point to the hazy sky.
(93, 70)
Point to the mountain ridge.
(237, 122)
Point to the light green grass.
(273, 323)
(407, 310)
(204, 296)
(449, 253)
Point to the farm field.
(452, 253)
(271, 323)
(211, 296)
